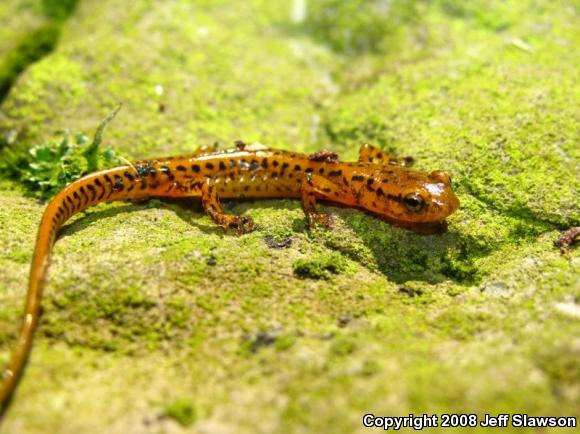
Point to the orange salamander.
(378, 183)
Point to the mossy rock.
(157, 321)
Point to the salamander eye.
(414, 202)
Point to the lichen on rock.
(157, 321)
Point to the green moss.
(284, 342)
(182, 411)
(58, 10)
(36, 43)
(174, 312)
(31, 48)
(320, 267)
(378, 26)
(343, 346)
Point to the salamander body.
(378, 183)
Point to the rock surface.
(156, 321)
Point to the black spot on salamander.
(108, 180)
(380, 192)
(309, 170)
(222, 166)
(143, 184)
(394, 198)
(284, 166)
(255, 165)
(118, 186)
(380, 155)
(321, 170)
(93, 191)
(233, 163)
(370, 182)
(335, 173)
(165, 170)
(297, 168)
(209, 166)
(152, 172)
(358, 178)
(99, 184)
(326, 190)
(275, 163)
(325, 156)
(84, 193)
(181, 168)
(129, 176)
(142, 169)
(246, 187)
(195, 168)
(265, 163)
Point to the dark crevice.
(36, 44)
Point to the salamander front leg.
(314, 187)
(371, 154)
(212, 206)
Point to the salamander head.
(408, 197)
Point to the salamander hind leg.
(371, 154)
(314, 187)
(212, 206)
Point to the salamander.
(378, 182)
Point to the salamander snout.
(440, 176)
(440, 198)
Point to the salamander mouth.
(423, 228)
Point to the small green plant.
(50, 166)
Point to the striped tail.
(104, 186)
